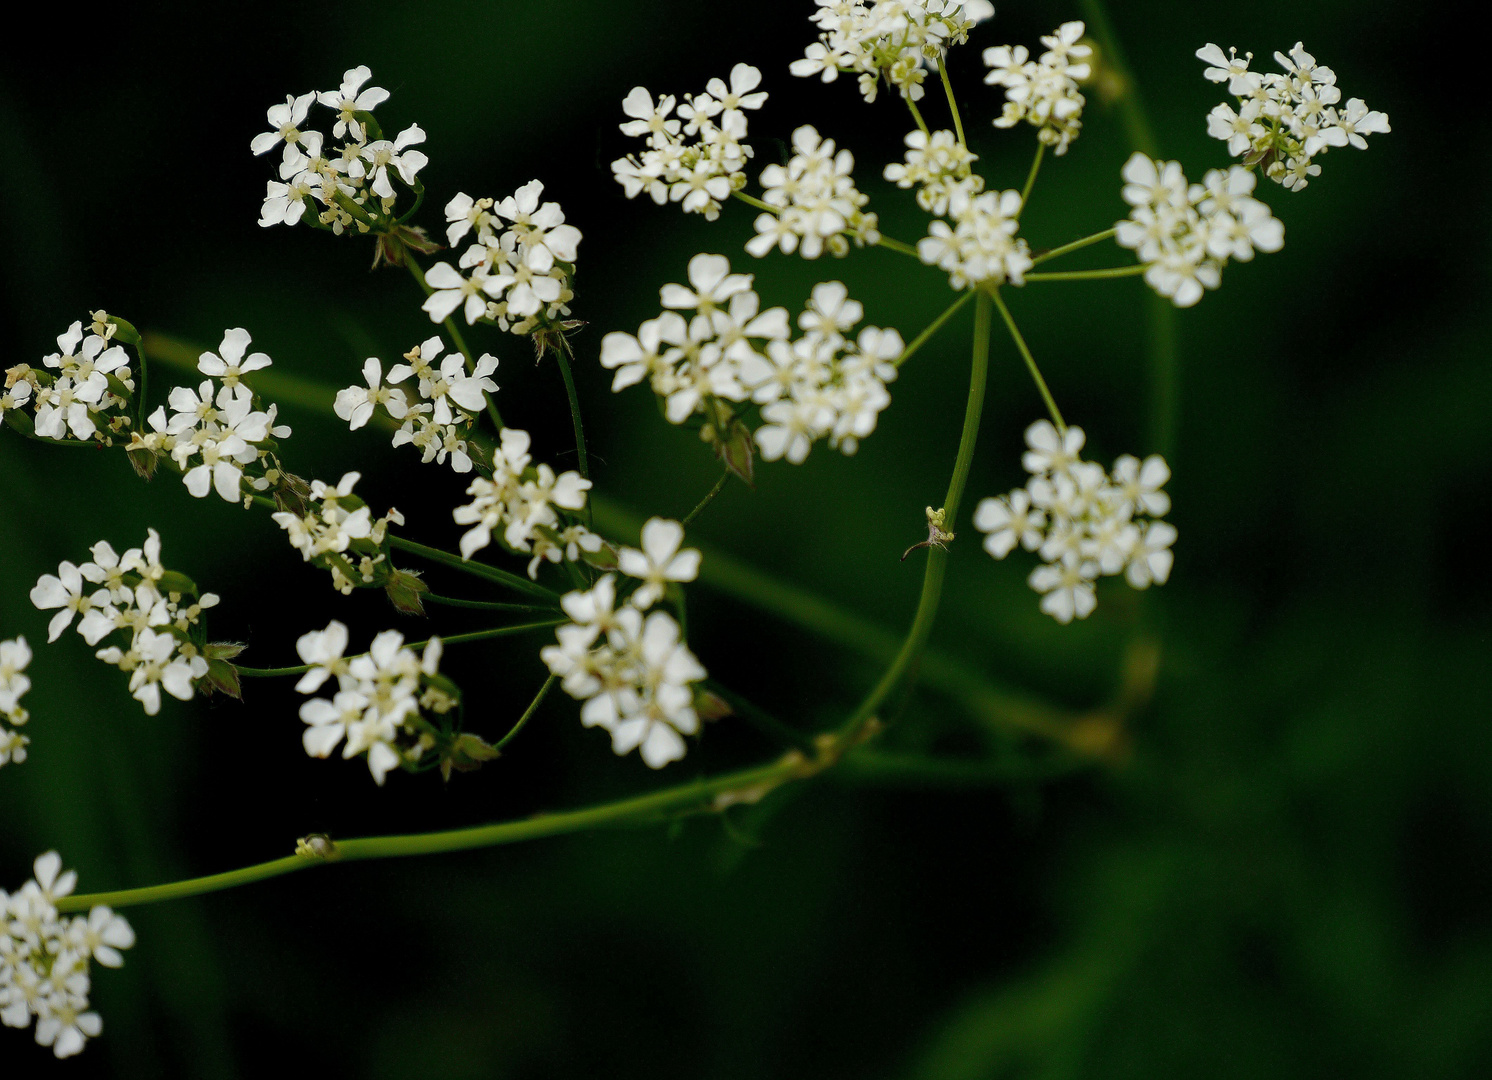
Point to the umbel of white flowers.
(14, 657)
(45, 958)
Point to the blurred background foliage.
(1290, 874)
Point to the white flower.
(228, 364)
(1067, 588)
(815, 199)
(377, 158)
(453, 291)
(981, 245)
(659, 562)
(357, 403)
(1043, 92)
(1009, 520)
(1151, 558)
(351, 98)
(284, 123)
(68, 591)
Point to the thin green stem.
(1031, 176)
(453, 639)
(563, 360)
(476, 569)
(785, 734)
(455, 332)
(1076, 245)
(897, 246)
(528, 712)
(483, 605)
(1090, 275)
(933, 327)
(1020, 343)
(958, 124)
(916, 115)
(707, 500)
(937, 557)
(752, 200)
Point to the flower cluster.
(892, 39)
(449, 399)
(1285, 119)
(521, 273)
(384, 702)
(1043, 92)
(695, 154)
(1082, 520)
(939, 166)
(631, 670)
(134, 595)
(522, 504)
(815, 202)
(1186, 233)
(15, 655)
(80, 392)
(335, 529)
(731, 353)
(342, 185)
(216, 435)
(45, 958)
(981, 244)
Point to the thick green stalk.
(1020, 344)
(937, 556)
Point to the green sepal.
(221, 677)
(144, 462)
(174, 581)
(405, 591)
(22, 422)
(466, 753)
(125, 331)
(737, 450)
(710, 706)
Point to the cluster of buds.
(1285, 119)
(1085, 522)
(815, 205)
(895, 40)
(694, 153)
(15, 655)
(731, 358)
(521, 268)
(437, 417)
(1044, 92)
(159, 611)
(336, 530)
(45, 958)
(391, 703)
(82, 391)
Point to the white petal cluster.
(1083, 521)
(318, 176)
(519, 270)
(938, 166)
(46, 957)
(216, 436)
(631, 669)
(892, 39)
(1186, 233)
(134, 595)
(694, 153)
(730, 353)
(437, 415)
(15, 655)
(980, 244)
(1044, 92)
(815, 200)
(521, 504)
(80, 392)
(1285, 119)
(381, 699)
(336, 530)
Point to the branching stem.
(1020, 343)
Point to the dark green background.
(1289, 878)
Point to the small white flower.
(659, 562)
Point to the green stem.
(763, 721)
(532, 708)
(933, 327)
(752, 200)
(897, 246)
(958, 124)
(1076, 245)
(719, 486)
(1090, 275)
(1020, 343)
(563, 360)
(455, 332)
(476, 569)
(483, 605)
(917, 116)
(453, 639)
(937, 556)
(1031, 176)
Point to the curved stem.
(1076, 245)
(933, 327)
(958, 124)
(476, 569)
(1090, 275)
(719, 486)
(532, 707)
(453, 639)
(1031, 176)
(1020, 343)
(455, 332)
(937, 556)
